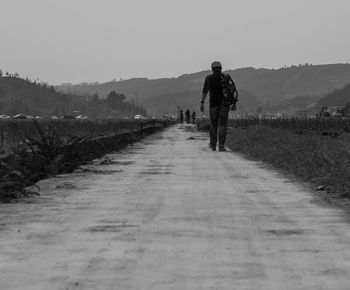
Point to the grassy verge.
(50, 153)
(14, 132)
(303, 149)
(323, 161)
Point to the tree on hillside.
(95, 99)
(114, 100)
(2, 93)
(18, 107)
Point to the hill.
(304, 102)
(259, 86)
(339, 97)
(20, 96)
(288, 82)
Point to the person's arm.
(202, 102)
(204, 94)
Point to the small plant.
(13, 184)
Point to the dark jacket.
(212, 85)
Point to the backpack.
(228, 90)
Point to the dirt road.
(171, 214)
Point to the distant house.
(346, 112)
(339, 111)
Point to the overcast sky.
(99, 40)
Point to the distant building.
(335, 112)
(346, 112)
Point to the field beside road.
(315, 151)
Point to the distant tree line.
(114, 102)
(23, 96)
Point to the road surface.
(169, 213)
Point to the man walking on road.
(188, 116)
(219, 105)
(194, 117)
(181, 117)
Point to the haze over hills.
(20, 96)
(336, 98)
(257, 87)
(285, 83)
(297, 103)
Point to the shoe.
(212, 147)
(222, 149)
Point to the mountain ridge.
(21, 96)
(265, 85)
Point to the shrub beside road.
(36, 150)
(15, 132)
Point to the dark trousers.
(218, 124)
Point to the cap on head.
(216, 65)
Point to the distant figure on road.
(223, 95)
(188, 116)
(194, 117)
(181, 117)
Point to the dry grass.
(15, 132)
(321, 160)
(316, 151)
